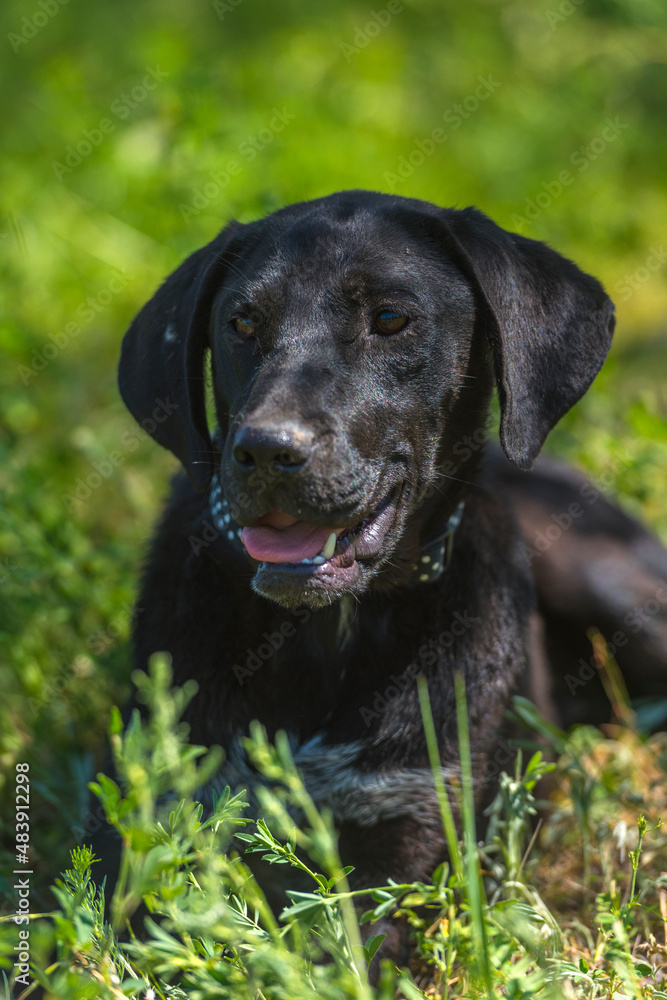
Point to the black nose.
(274, 446)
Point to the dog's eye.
(389, 322)
(244, 326)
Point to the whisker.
(466, 481)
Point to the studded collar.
(434, 554)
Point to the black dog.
(337, 535)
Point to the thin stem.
(446, 815)
(475, 888)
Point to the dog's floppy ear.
(161, 372)
(549, 326)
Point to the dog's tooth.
(318, 560)
(329, 548)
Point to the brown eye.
(389, 322)
(244, 326)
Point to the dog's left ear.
(549, 326)
(161, 371)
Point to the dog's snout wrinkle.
(284, 446)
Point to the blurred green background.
(133, 131)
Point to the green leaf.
(305, 906)
(372, 945)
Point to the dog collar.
(434, 555)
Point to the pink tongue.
(279, 538)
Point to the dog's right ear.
(161, 372)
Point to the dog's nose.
(275, 446)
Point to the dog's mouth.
(280, 538)
(295, 554)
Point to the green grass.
(495, 923)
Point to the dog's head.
(353, 344)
